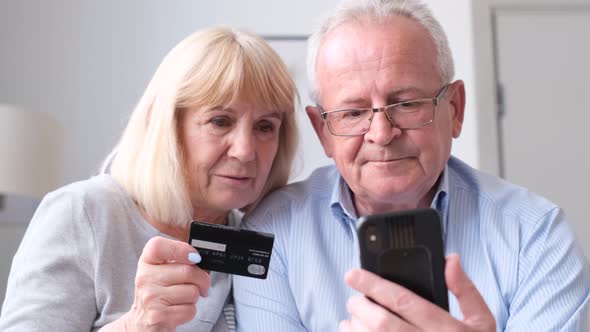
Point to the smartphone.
(406, 247)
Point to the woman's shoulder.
(97, 186)
(98, 197)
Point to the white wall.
(456, 18)
(87, 62)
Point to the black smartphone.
(406, 247)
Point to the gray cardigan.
(75, 268)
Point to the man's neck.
(401, 203)
(408, 201)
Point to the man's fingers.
(474, 309)
(374, 316)
(159, 250)
(398, 299)
(344, 326)
(357, 325)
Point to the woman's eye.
(266, 127)
(221, 122)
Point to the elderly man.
(387, 111)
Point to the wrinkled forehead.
(389, 50)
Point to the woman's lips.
(234, 180)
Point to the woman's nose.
(243, 146)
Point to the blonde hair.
(378, 11)
(211, 67)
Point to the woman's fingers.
(159, 250)
(165, 319)
(167, 285)
(161, 296)
(174, 274)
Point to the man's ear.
(457, 103)
(313, 113)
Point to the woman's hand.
(167, 287)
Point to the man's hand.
(408, 311)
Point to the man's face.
(373, 65)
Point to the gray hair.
(378, 11)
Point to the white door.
(543, 66)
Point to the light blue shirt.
(516, 247)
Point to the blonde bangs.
(238, 66)
(267, 83)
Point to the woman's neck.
(181, 232)
(211, 217)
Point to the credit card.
(231, 249)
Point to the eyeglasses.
(410, 114)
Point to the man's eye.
(409, 104)
(352, 113)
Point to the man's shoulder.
(319, 184)
(298, 197)
(490, 191)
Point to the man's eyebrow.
(349, 100)
(392, 96)
(405, 91)
(405, 94)
(353, 101)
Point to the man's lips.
(388, 160)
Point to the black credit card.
(232, 249)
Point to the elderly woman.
(213, 133)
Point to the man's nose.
(382, 131)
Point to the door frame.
(488, 94)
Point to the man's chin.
(387, 193)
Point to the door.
(543, 68)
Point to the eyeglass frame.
(435, 101)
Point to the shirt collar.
(441, 200)
(343, 208)
(341, 200)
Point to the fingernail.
(194, 257)
(351, 276)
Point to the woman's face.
(229, 153)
